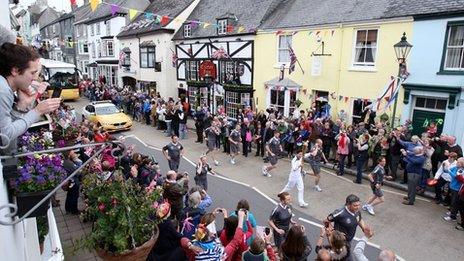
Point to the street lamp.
(402, 49)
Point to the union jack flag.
(293, 60)
(220, 54)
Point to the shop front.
(281, 95)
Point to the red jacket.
(242, 247)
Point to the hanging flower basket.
(137, 254)
(27, 200)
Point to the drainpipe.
(339, 68)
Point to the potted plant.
(125, 226)
(37, 176)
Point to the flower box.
(27, 200)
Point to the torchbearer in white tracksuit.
(295, 178)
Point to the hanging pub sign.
(207, 69)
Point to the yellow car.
(107, 115)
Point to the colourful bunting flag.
(279, 32)
(94, 4)
(346, 99)
(149, 16)
(230, 28)
(340, 97)
(310, 33)
(206, 25)
(132, 13)
(333, 32)
(194, 24)
(73, 2)
(317, 33)
(294, 32)
(114, 9)
(241, 29)
(164, 20)
(157, 19)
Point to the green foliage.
(42, 228)
(122, 211)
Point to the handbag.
(248, 136)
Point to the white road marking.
(383, 189)
(264, 195)
(310, 222)
(231, 180)
(269, 198)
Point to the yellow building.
(347, 61)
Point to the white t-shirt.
(295, 173)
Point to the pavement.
(413, 232)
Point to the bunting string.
(164, 20)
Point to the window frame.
(287, 49)
(425, 108)
(149, 50)
(126, 62)
(83, 47)
(107, 48)
(187, 30)
(364, 65)
(188, 71)
(288, 106)
(92, 29)
(108, 27)
(443, 69)
(97, 30)
(222, 26)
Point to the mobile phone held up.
(56, 92)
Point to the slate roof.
(48, 13)
(141, 25)
(299, 13)
(59, 19)
(424, 7)
(250, 15)
(82, 13)
(104, 10)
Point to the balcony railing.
(19, 235)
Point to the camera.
(267, 231)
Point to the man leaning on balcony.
(19, 70)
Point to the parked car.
(107, 115)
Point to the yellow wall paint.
(337, 75)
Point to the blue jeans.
(168, 129)
(183, 131)
(359, 168)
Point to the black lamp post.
(402, 49)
